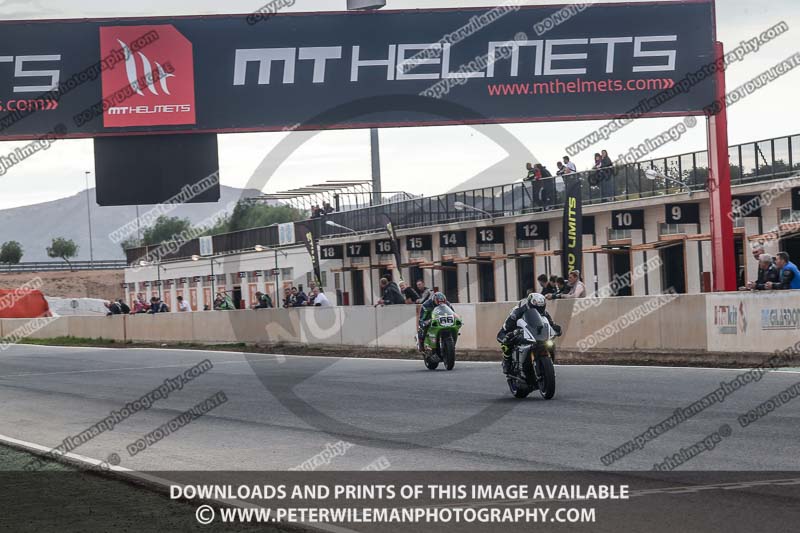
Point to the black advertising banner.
(682, 213)
(359, 249)
(419, 243)
(572, 231)
(746, 205)
(533, 231)
(623, 219)
(309, 238)
(490, 235)
(796, 199)
(453, 239)
(331, 251)
(83, 78)
(395, 245)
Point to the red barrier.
(21, 303)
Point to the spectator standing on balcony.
(183, 305)
(548, 186)
(571, 168)
(423, 291)
(790, 275)
(327, 208)
(607, 184)
(531, 175)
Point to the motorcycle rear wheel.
(431, 364)
(517, 390)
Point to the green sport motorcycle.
(440, 340)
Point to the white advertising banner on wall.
(747, 322)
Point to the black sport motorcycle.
(533, 356)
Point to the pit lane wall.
(712, 323)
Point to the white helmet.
(537, 301)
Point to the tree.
(131, 242)
(11, 253)
(64, 249)
(165, 229)
(248, 215)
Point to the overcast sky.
(417, 160)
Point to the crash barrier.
(716, 323)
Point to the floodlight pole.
(723, 264)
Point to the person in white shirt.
(577, 290)
(320, 300)
(570, 165)
(183, 305)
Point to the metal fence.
(47, 266)
(750, 162)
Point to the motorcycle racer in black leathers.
(506, 336)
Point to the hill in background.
(34, 226)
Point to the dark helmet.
(438, 298)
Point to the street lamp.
(277, 271)
(213, 278)
(377, 189)
(652, 174)
(461, 206)
(89, 213)
(158, 266)
(335, 225)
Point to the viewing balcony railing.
(750, 162)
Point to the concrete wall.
(715, 323)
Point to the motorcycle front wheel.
(547, 377)
(448, 349)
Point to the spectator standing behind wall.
(263, 301)
(157, 306)
(577, 288)
(767, 273)
(790, 275)
(409, 293)
(320, 300)
(391, 293)
(183, 305)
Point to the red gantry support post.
(723, 263)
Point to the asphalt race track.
(282, 410)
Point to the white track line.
(406, 360)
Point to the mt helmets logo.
(156, 87)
